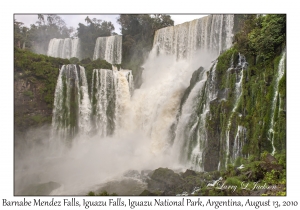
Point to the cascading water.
(198, 43)
(191, 132)
(109, 48)
(239, 142)
(160, 121)
(157, 101)
(242, 65)
(212, 34)
(64, 48)
(280, 73)
(72, 108)
(85, 107)
(111, 92)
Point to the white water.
(64, 48)
(85, 107)
(208, 34)
(109, 48)
(203, 91)
(131, 129)
(157, 101)
(280, 73)
(71, 101)
(237, 95)
(111, 93)
(239, 142)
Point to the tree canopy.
(89, 33)
(138, 33)
(37, 37)
(262, 35)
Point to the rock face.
(271, 163)
(262, 177)
(189, 172)
(164, 179)
(30, 109)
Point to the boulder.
(189, 172)
(164, 179)
(270, 163)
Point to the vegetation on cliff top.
(38, 69)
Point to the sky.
(73, 20)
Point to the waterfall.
(173, 124)
(85, 107)
(72, 108)
(64, 48)
(280, 73)
(191, 132)
(177, 51)
(239, 142)
(109, 49)
(237, 95)
(212, 34)
(184, 115)
(111, 93)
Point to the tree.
(41, 18)
(38, 36)
(18, 37)
(89, 33)
(262, 35)
(161, 21)
(269, 36)
(88, 20)
(138, 34)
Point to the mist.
(140, 142)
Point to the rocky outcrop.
(30, 109)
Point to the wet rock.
(164, 179)
(270, 163)
(189, 172)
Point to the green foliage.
(282, 86)
(261, 39)
(20, 35)
(37, 37)
(29, 94)
(91, 193)
(90, 65)
(74, 60)
(281, 157)
(233, 181)
(281, 193)
(264, 155)
(239, 161)
(41, 72)
(271, 177)
(39, 119)
(262, 35)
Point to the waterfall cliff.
(202, 105)
(64, 48)
(109, 49)
(72, 108)
(212, 34)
